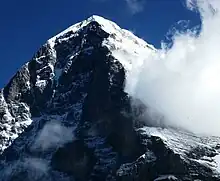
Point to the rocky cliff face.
(65, 116)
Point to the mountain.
(65, 116)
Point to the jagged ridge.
(77, 78)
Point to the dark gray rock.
(65, 116)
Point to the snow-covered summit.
(129, 49)
(108, 26)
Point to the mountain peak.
(75, 27)
(98, 19)
(66, 115)
(108, 26)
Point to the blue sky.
(25, 25)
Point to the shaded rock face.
(65, 116)
(74, 159)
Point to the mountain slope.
(65, 116)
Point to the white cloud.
(53, 135)
(135, 6)
(182, 82)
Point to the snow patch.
(181, 142)
(217, 161)
(170, 177)
(58, 73)
(41, 84)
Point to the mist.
(181, 81)
(30, 168)
(53, 135)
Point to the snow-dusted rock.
(65, 116)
